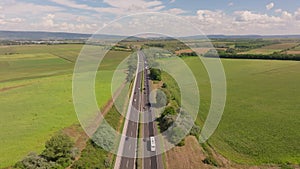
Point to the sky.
(230, 17)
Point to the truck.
(152, 143)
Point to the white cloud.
(286, 15)
(12, 21)
(25, 9)
(297, 14)
(278, 10)
(48, 21)
(270, 6)
(172, 1)
(128, 4)
(117, 7)
(250, 17)
(15, 20)
(211, 17)
(246, 22)
(73, 4)
(230, 4)
(175, 11)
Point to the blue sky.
(212, 16)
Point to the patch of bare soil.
(189, 156)
(155, 84)
(78, 135)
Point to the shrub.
(33, 161)
(107, 162)
(155, 74)
(210, 161)
(195, 131)
(59, 149)
(181, 143)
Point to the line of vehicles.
(152, 138)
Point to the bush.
(33, 161)
(161, 99)
(107, 162)
(181, 143)
(164, 85)
(210, 161)
(104, 136)
(195, 131)
(58, 154)
(285, 166)
(92, 156)
(155, 74)
(166, 121)
(169, 111)
(59, 149)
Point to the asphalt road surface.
(140, 103)
(128, 161)
(151, 161)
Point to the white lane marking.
(127, 163)
(129, 146)
(131, 133)
(150, 162)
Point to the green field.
(266, 50)
(260, 124)
(36, 95)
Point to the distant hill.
(24, 35)
(249, 36)
(31, 35)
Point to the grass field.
(266, 50)
(260, 124)
(36, 95)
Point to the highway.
(139, 102)
(151, 160)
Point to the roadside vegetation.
(94, 155)
(169, 99)
(59, 153)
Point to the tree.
(169, 111)
(161, 99)
(166, 121)
(34, 161)
(195, 131)
(155, 74)
(176, 134)
(59, 149)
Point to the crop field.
(260, 124)
(295, 51)
(266, 50)
(36, 95)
